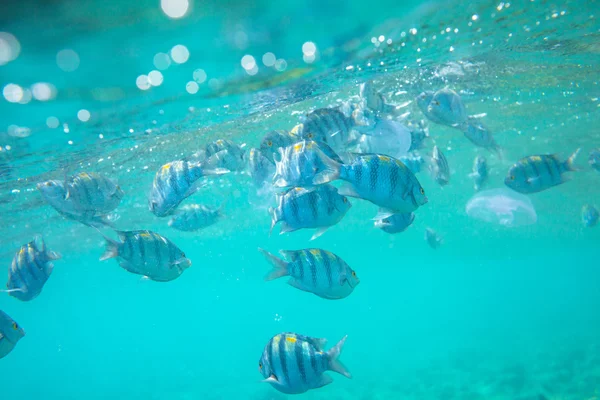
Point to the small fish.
(224, 144)
(194, 217)
(536, 173)
(480, 135)
(147, 253)
(314, 270)
(224, 154)
(594, 159)
(304, 164)
(94, 193)
(443, 107)
(395, 223)
(30, 269)
(375, 101)
(480, 172)
(418, 134)
(261, 170)
(433, 239)
(439, 167)
(330, 126)
(413, 162)
(382, 180)
(10, 334)
(589, 216)
(294, 363)
(274, 140)
(320, 207)
(174, 182)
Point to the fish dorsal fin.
(319, 343)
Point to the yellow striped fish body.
(147, 253)
(10, 334)
(93, 193)
(194, 217)
(480, 135)
(384, 181)
(274, 140)
(330, 126)
(537, 173)
(304, 164)
(174, 182)
(314, 270)
(294, 363)
(261, 170)
(30, 269)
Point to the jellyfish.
(502, 206)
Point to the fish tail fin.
(53, 255)
(332, 171)
(279, 266)
(334, 362)
(569, 165)
(112, 246)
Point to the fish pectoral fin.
(324, 380)
(319, 232)
(284, 228)
(382, 214)
(348, 189)
(271, 379)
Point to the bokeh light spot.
(180, 54)
(67, 60)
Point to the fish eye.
(183, 254)
(422, 191)
(437, 103)
(48, 183)
(260, 365)
(310, 135)
(269, 143)
(345, 199)
(512, 177)
(354, 274)
(15, 326)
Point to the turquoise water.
(494, 313)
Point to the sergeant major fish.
(274, 140)
(174, 182)
(92, 192)
(261, 170)
(439, 167)
(433, 239)
(443, 107)
(536, 173)
(10, 334)
(304, 164)
(30, 269)
(382, 180)
(294, 363)
(481, 136)
(395, 223)
(480, 172)
(314, 270)
(148, 254)
(194, 217)
(320, 207)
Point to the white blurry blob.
(26, 98)
(280, 65)
(52, 122)
(191, 87)
(155, 78)
(268, 59)
(142, 82)
(180, 54)
(248, 62)
(13, 93)
(502, 206)
(161, 61)
(19, 131)
(83, 115)
(175, 8)
(67, 60)
(10, 48)
(199, 76)
(388, 137)
(43, 91)
(309, 49)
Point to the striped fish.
(294, 363)
(536, 173)
(594, 159)
(480, 135)
(174, 182)
(314, 270)
(93, 193)
(433, 239)
(382, 180)
(439, 167)
(418, 134)
(304, 164)
(30, 269)
(320, 207)
(224, 144)
(147, 253)
(589, 215)
(194, 217)
(443, 107)
(261, 170)
(10, 334)
(274, 140)
(395, 223)
(413, 161)
(480, 172)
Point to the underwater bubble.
(13, 93)
(180, 54)
(155, 78)
(9, 48)
(502, 206)
(191, 87)
(161, 61)
(43, 91)
(83, 115)
(52, 122)
(268, 59)
(67, 60)
(309, 49)
(175, 8)
(199, 75)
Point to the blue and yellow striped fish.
(294, 363)
(30, 269)
(439, 167)
(274, 140)
(10, 334)
(304, 164)
(174, 182)
(395, 223)
(314, 270)
(148, 254)
(536, 173)
(320, 207)
(382, 180)
(194, 217)
(443, 107)
(261, 170)
(480, 135)
(93, 193)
